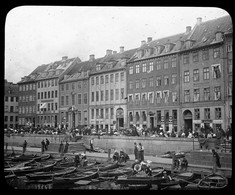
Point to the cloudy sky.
(36, 35)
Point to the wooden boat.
(74, 177)
(108, 166)
(43, 157)
(139, 186)
(182, 179)
(29, 169)
(213, 181)
(48, 175)
(23, 157)
(115, 172)
(38, 184)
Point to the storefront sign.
(206, 121)
(217, 121)
(197, 121)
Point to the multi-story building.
(27, 98)
(11, 105)
(153, 83)
(107, 89)
(47, 87)
(206, 75)
(74, 95)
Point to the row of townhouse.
(179, 80)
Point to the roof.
(10, 88)
(204, 34)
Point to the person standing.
(24, 146)
(47, 144)
(61, 148)
(43, 146)
(216, 160)
(66, 147)
(141, 152)
(91, 144)
(136, 151)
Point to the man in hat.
(216, 160)
(135, 151)
(77, 159)
(115, 156)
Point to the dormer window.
(189, 43)
(97, 67)
(167, 47)
(159, 49)
(218, 36)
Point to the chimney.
(114, 52)
(143, 42)
(108, 52)
(121, 49)
(149, 39)
(199, 20)
(92, 57)
(64, 58)
(188, 29)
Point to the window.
(130, 97)
(137, 84)
(230, 83)
(174, 115)
(151, 97)
(173, 79)
(144, 97)
(195, 57)
(206, 93)
(80, 84)
(158, 96)
(130, 84)
(106, 95)
(144, 117)
(216, 52)
(79, 98)
(49, 83)
(144, 68)
(6, 108)
(11, 108)
(98, 67)
(62, 87)
(116, 94)
(56, 105)
(52, 106)
(216, 71)
(85, 98)
(101, 79)
(117, 77)
(92, 81)
(207, 113)
(12, 99)
(174, 96)
(150, 66)
(151, 82)
(230, 64)
(166, 80)
(6, 98)
(73, 86)
(112, 113)
(101, 95)
(137, 68)
(137, 98)
(131, 70)
(49, 94)
(73, 99)
(27, 87)
(92, 113)
(159, 116)
(48, 106)
(122, 76)
(97, 95)
(158, 81)
(229, 47)
(218, 113)
(23, 87)
(166, 95)
(122, 93)
(111, 94)
(196, 114)
(158, 62)
(11, 118)
(92, 96)
(173, 62)
(106, 78)
(52, 94)
(143, 83)
(39, 95)
(196, 75)
(186, 95)
(67, 86)
(205, 54)
(206, 73)
(67, 100)
(186, 59)
(101, 113)
(55, 93)
(111, 78)
(97, 80)
(52, 82)
(217, 93)
(165, 63)
(196, 95)
(106, 113)
(39, 84)
(186, 76)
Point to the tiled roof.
(204, 34)
(9, 86)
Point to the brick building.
(11, 94)
(206, 69)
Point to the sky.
(36, 35)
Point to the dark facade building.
(206, 69)
(11, 95)
(153, 82)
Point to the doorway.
(151, 122)
(188, 119)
